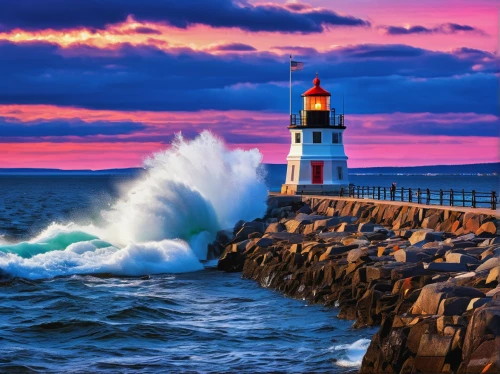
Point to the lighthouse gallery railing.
(335, 120)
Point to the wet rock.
(422, 285)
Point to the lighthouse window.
(340, 138)
(297, 137)
(339, 172)
(316, 137)
(335, 138)
(293, 173)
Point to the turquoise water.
(73, 302)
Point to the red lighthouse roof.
(316, 90)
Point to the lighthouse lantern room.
(317, 163)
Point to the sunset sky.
(103, 84)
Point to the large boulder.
(347, 227)
(275, 227)
(233, 259)
(446, 267)
(487, 228)
(249, 228)
(489, 264)
(286, 236)
(431, 296)
(412, 254)
(356, 254)
(302, 217)
(330, 222)
(336, 250)
(432, 352)
(484, 326)
(425, 236)
(472, 222)
(485, 359)
(460, 258)
(493, 275)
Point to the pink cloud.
(370, 140)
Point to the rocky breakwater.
(428, 276)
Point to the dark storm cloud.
(375, 78)
(236, 47)
(437, 128)
(74, 127)
(57, 14)
(445, 28)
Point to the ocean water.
(108, 273)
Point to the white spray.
(188, 193)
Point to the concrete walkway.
(487, 211)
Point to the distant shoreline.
(483, 169)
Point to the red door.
(317, 172)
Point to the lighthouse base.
(314, 189)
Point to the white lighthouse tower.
(317, 163)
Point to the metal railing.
(473, 199)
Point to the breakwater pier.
(427, 275)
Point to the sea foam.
(352, 353)
(162, 222)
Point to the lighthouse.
(317, 163)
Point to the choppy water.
(205, 321)
(102, 273)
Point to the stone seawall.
(427, 275)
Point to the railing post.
(493, 200)
(363, 192)
(379, 192)
(473, 198)
(402, 194)
(428, 196)
(358, 192)
(385, 193)
(419, 196)
(410, 197)
(342, 192)
(463, 197)
(451, 197)
(440, 197)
